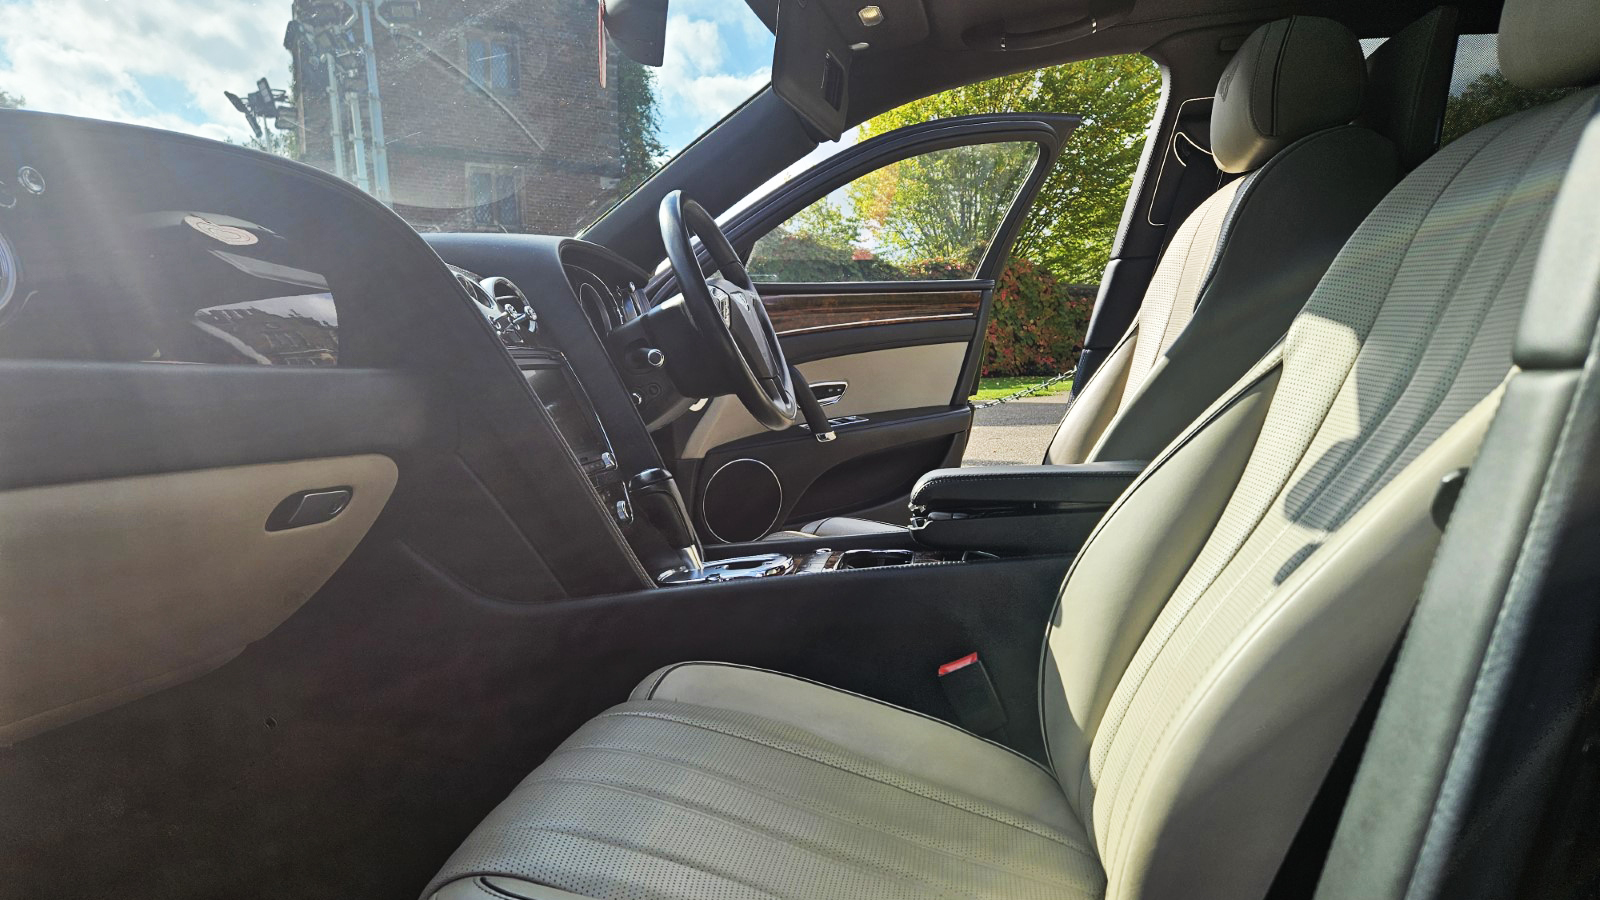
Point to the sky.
(165, 63)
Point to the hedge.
(1037, 322)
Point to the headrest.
(1289, 78)
(1408, 82)
(1550, 43)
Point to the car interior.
(609, 565)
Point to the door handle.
(309, 508)
(829, 392)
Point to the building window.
(492, 62)
(492, 195)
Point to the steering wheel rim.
(728, 313)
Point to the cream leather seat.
(1301, 178)
(1211, 644)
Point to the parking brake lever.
(821, 428)
(655, 497)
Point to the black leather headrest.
(1550, 43)
(1289, 78)
(1408, 81)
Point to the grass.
(995, 388)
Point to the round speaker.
(741, 501)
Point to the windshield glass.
(463, 115)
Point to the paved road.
(1014, 433)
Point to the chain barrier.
(1028, 391)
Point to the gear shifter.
(655, 497)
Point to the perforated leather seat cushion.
(663, 798)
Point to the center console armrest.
(1096, 482)
(1017, 509)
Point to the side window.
(1480, 94)
(928, 217)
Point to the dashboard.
(610, 302)
(537, 354)
(555, 305)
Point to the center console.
(957, 515)
(823, 559)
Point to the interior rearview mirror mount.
(638, 26)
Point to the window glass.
(1068, 232)
(399, 97)
(929, 217)
(1479, 93)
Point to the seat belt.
(1302, 866)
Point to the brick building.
(492, 111)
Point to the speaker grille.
(741, 501)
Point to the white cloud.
(96, 58)
(698, 82)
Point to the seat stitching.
(1249, 89)
(875, 701)
(1186, 709)
(864, 764)
(1460, 357)
(1125, 801)
(1113, 728)
(1065, 837)
(1136, 378)
(1277, 74)
(1264, 368)
(1242, 194)
(1057, 837)
(807, 846)
(642, 850)
(773, 792)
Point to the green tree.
(1075, 217)
(11, 101)
(278, 143)
(820, 243)
(639, 117)
(941, 205)
(1489, 97)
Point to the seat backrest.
(1241, 265)
(1217, 635)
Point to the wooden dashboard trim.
(812, 313)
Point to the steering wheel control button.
(724, 305)
(309, 508)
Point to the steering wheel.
(729, 314)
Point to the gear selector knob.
(656, 499)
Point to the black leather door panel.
(868, 470)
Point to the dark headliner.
(885, 77)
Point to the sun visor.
(811, 65)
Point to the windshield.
(462, 115)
